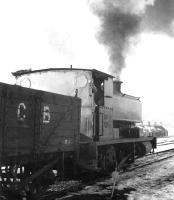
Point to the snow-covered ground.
(152, 182)
(162, 141)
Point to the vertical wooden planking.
(4, 102)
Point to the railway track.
(165, 143)
(152, 158)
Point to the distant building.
(154, 129)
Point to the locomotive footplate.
(128, 140)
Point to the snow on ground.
(164, 147)
(153, 182)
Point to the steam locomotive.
(65, 120)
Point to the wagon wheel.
(38, 185)
(2, 177)
(8, 176)
(110, 159)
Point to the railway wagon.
(109, 136)
(39, 131)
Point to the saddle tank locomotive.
(71, 119)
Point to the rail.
(154, 158)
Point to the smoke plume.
(117, 28)
(122, 20)
(159, 18)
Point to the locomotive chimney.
(117, 86)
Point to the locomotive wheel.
(110, 159)
(40, 184)
(107, 158)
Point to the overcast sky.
(58, 33)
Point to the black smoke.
(159, 17)
(122, 20)
(116, 29)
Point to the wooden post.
(134, 152)
(63, 166)
(115, 176)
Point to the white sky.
(57, 33)
(150, 74)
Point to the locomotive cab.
(116, 114)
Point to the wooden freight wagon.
(37, 130)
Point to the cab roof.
(97, 73)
